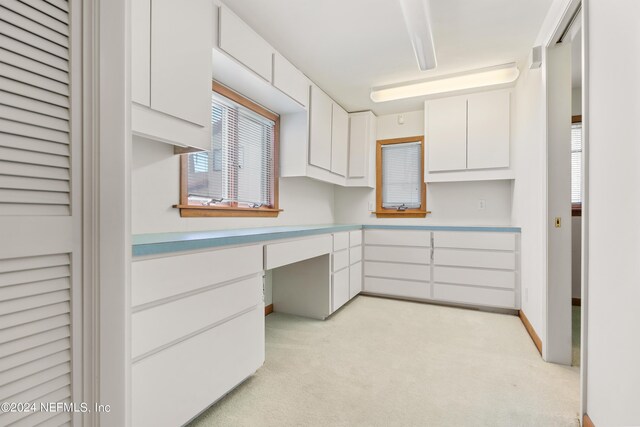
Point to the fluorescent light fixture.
(485, 77)
(417, 19)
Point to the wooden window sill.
(191, 211)
(401, 214)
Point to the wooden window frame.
(233, 210)
(392, 213)
(576, 208)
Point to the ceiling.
(348, 46)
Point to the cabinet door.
(488, 132)
(446, 130)
(355, 279)
(320, 129)
(141, 51)
(244, 44)
(340, 287)
(181, 34)
(290, 80)
(339, 140)
(358, 145)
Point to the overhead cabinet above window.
(171, 71)
(468, 137)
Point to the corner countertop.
(161, 243)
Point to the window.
(238, 175)
(400, 188)
(576, 165)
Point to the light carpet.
(382, 362)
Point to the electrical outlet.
(558, 222)
(370, 206)
(482, 204)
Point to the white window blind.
(402, 175)
(576, 163)
(239, 168)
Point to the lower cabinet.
(460, 267)
(340, 288)
(197, 330)
(346, 268)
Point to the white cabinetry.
(488, 128)
(468, 137)
(463, 267)
(362, 145)
(446, 130)
(244, 44)
(346, 277)
(320, 129)
(339, 140)
(290, 80)
(171, 71)
(199, 334)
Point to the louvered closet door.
(40, 148)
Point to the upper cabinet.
(446, 131)
(468, 137)
(244, 44)
(290, 80)
(362, 145)
(171, 71)
(488, 128)
(320, 113)
(339, 140)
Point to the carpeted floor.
(381, 362)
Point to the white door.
(446, 132)
(40, 188)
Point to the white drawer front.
(279, 254)
(398, 271)
(165, 323)
(398, 237)
(340, 294)
(196, 372)
(397, 254)
(471, 276)
(475, 296)
(340, 241)
(355, 254)
(482, 259)
(158, 278)
(474, 240)
(398, 288)
(355, 279)
(340, 260)
(355, 238)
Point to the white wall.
(529, 196)
(613, 209)
(156, 188)
(453, 203)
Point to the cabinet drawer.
(398, 288)
(355, 254)
(340, 289)
(279, 254)
(475, 296)
(244, 44)
(160, 325)
(474, 240)
(355, 279)
(398, 237)
(159, 278)
(355, 238)
(472, 276)
(290, 80)
(196, 372)
(340, 241)
(397, 254)
(340, 260)
(398, 271)
(482, 259)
